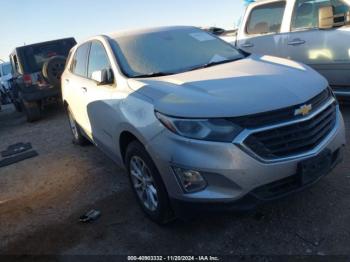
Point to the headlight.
(218, 130)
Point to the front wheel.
(147, 184)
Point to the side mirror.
(103, 77)
(326, 17)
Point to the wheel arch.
(125, 138)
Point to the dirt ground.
(41, 200)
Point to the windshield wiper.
(153, 74)
(214, 63)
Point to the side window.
(266, 19)
(341, 7)
(79, 62)
(98, 59)
(305, 15)
(14, 63)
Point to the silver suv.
(199, 124)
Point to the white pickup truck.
(315, 32)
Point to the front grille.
(293, 139)
(281, 115)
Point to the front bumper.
(266, 193)
(234, 177)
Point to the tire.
(78, 137)
(32, 111)
(53, 69)
(150, 185)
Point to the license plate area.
(314, 168)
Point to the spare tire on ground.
(53, 69)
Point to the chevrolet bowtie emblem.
(303, 110)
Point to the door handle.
(84, 89)
(247, 45)
(297, 42)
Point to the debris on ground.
(90, 216)
(16, 149)
(16, 153)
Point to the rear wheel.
(32, 111)
(78, 137)
(147, 184)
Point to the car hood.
(252, 85)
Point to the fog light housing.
(191, 180)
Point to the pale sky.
(31, 21)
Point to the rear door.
(76, 84)
(261, 33)
(327, 51)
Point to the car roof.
(41, 43)
(147, 30)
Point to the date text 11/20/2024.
(173, 258)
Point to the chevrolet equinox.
(198, 124)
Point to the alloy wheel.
(143, 183)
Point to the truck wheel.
(32, 111)
(78, 137)
(53, 69)
(148, 184)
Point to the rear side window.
(266, 19)
(98, 59)
(79, 62)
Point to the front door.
(327, 51)
(98, 112)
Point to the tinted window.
(98, 59)
(6, 69)
(306, 12)
(266, 19)
(35, 56)
(79, 62)
(170, 51)
(15, 63)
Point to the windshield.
(6, 69)
(170, 51)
